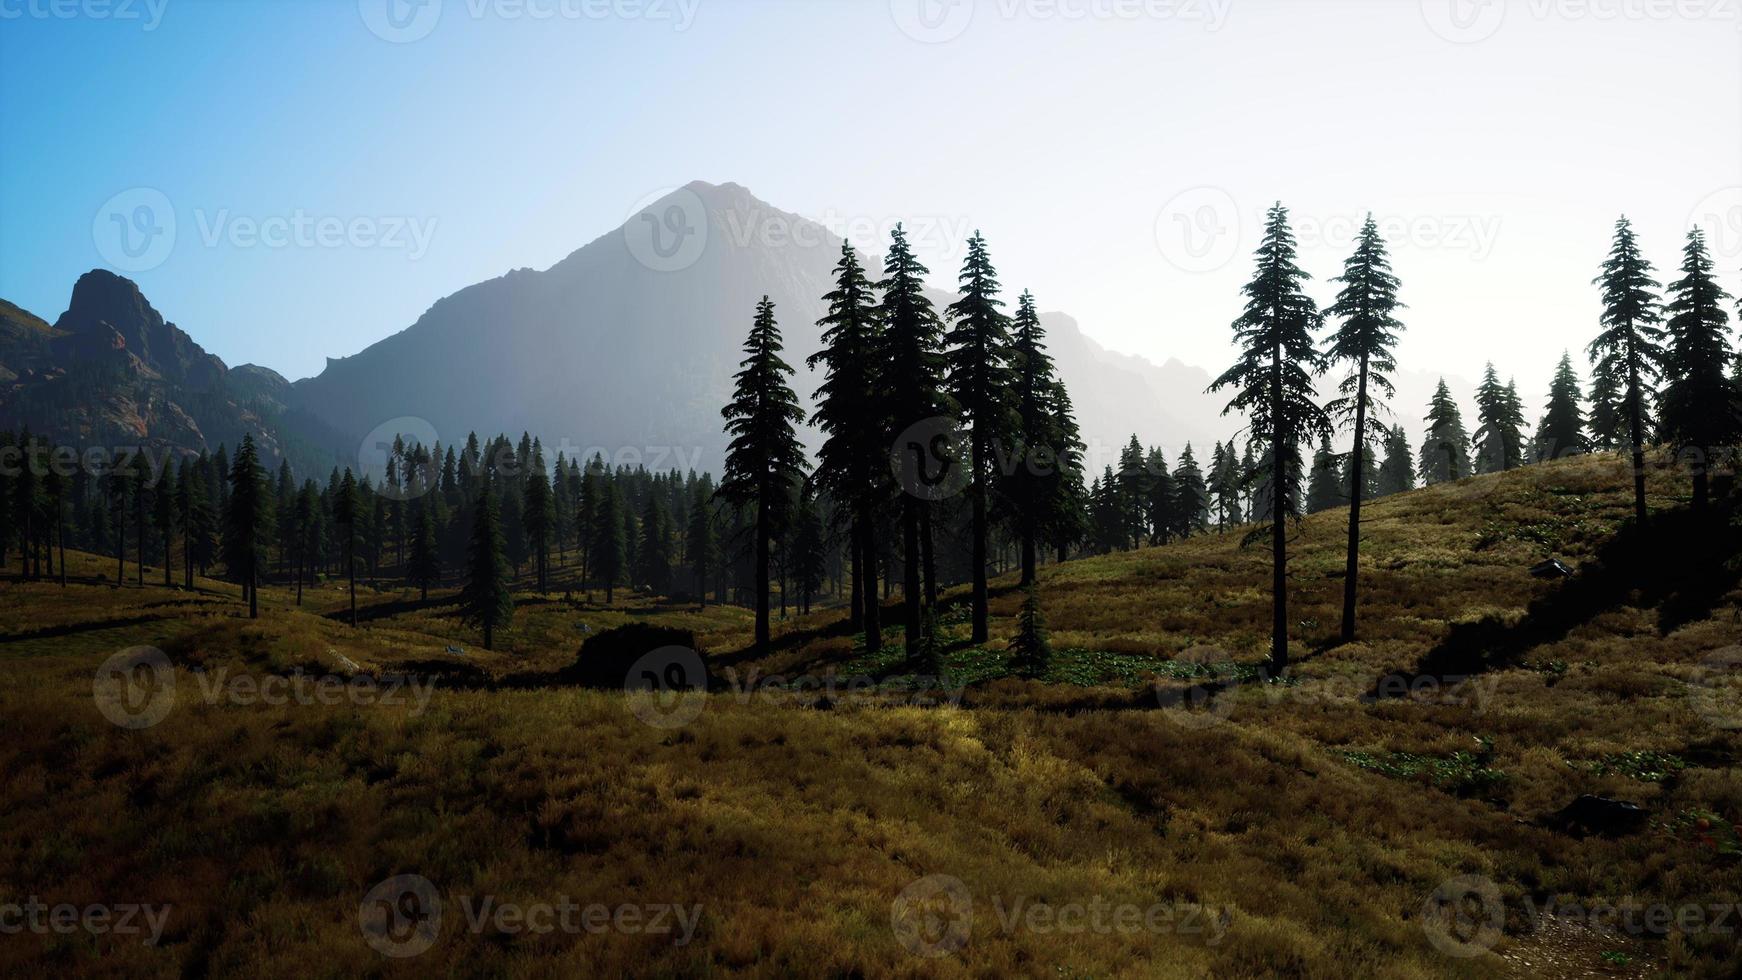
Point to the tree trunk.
(856, 558)
(927, 557)
(351, 576)
(762, 630)
(1636, 431)
(981, 629)
(1030, 559)
(868, 558)
(910, 574)
(253, 591)
(1356, 481)
(1278, 534)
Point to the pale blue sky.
(1087, 147)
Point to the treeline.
(1663, 370)
(586, 524)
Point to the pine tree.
(702, 546)
(1135, 489)
(306, 520)
(1368, 478)
(1035, 486)
(1562, 429)
(764, 460)
(1367, 341)
(1191, 497)
(1324, 488)
(424, 567)
(980, 382)
(1273, 385)
(1162, 508)
(1225, 485)
(610, 549)
(808, 548)
(912, 395)
(1699, 407)
(1629, 348)
(487, 601)
(851, 464)
(244, 521)
(163, 515)
(1397, 474)
(655, 551)
(347, 516)
(1445, 451)
(1030, 653)
(1499, 442)
(539, 516)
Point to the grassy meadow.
(1155, 806)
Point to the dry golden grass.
(1311, 822)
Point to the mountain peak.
(109, 312)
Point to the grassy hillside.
(1155, 807)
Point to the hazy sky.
(1116, 153)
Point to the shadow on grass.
(1682, 564)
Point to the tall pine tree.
(1699, 413)
(486, 600)
(852, 462)
(764, 460)
(1629, 349)
(913, 395)
(1366, 340)
(1273, 384)
(980, 381)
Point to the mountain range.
(625, 347)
